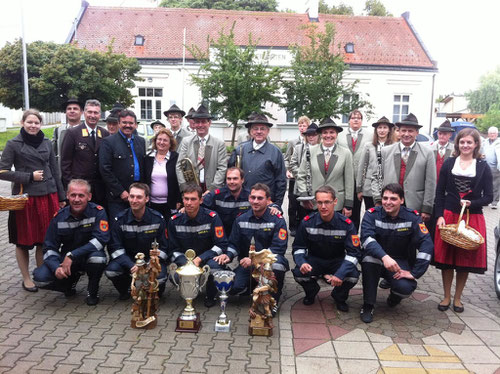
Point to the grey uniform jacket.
(368, 165)
(339, 176)
(420, 178)
(26, 160)
(290, 149)
(345, 140)
(448, 150)
(215, 160)
(181, 135)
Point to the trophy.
(144, 290)
(223, 280)
(191, 280)
(261, 318)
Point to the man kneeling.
(391, 235)
(326, 245)
(74, 244)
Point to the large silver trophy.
(224, 280)
(191, 280)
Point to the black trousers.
(293, 206)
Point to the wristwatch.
(70, 256)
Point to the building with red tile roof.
(385, 54)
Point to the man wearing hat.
(112, 120)
(79, 152)
(261, 160)
(354, 139)
(190, 120)
(157, 125)
(329, 164)
(443, 148)
(73, 109)
(491, 150)
(207, 153)
(174, 116)
(412, 165)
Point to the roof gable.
(385, 41)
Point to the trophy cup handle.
(206, 273)
(171, 274)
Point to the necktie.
(327, 159)
(92, 138)
(406, 154)
(441, 150)
(354, 135)
(201, 155)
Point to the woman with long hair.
(464, 178)
(370, 165)
(35, 169)
(160, 174)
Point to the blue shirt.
(137, 171)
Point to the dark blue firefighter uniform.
(400, 238)
(85, 237)
(129, 237)
(223, 202)
(331, 248)
(268, 232)
(204, 234)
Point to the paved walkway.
(46, 332)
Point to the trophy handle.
(171, 274)
(204, 277)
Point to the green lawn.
(11, 133)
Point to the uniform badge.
(217, 191)
(348, 221)
(99, 207)
(282, 234)
(212, 214)
(174, 217)
(306, 218)
(355, 240)
(99, 133)
(416, 212)
(371, 210)
(85, 132)
(103, 225)
(423, 228)
(219, 231)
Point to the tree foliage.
(342, 8)
(488, 93)
(235, 80)
(315, 87)
(491, 118)
(58, 72)
(376, 8)
(252, 5)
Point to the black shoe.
(341, 305)
(443, 308)
(209, 302)
(458, 308)
(384, 284)
(124, 296)
(69, 292)
(393, 300)
(310, 298)
(92, 300)
(29, 289)
(366, 313)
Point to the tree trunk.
(235, 127)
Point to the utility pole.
(25, 62)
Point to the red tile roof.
(385, 41)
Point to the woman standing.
(35, 168)
(464, 178)
(370, 165)
(160, 174)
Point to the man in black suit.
(79, 151)
(121, 162)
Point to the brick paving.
(45, 332)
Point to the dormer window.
(349, 48)
(139, 40)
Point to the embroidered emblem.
(219, 231)
(355, 240)
(282, 234)
(103, 225)
(423, 228)
(85, 132)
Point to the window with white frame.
(150, 102)
(401, 107)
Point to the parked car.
(145, 130)
(422, 137)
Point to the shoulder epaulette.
(174, 217)
(371, 210)
(279, 215)
(217, 191)
(416, 212)
(307, 218)
(99, 207)
(348, 220)
(212, 214)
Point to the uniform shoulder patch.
(348, 221)
(416, 212)
(423, 228)
(307, 218)
(174, 217)
(103, 225)
(212, 214)
(279, 215)
(219, 231)
(282, 234)
(217, 191)
(371, 210)
(355, 240)
(99, 207)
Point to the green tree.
(315, 86)
(235, 80)
(491, 118)
(487, 94)
(253, 5)
(376, 8)
(342, 8)
(57, 72)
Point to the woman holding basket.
(463, 179)
(35, 173)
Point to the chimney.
(312, 10)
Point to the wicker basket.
(449, 234)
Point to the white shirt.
(257, 146)
(469, 172)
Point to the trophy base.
(188, 325)
(226, 327)
(259, 327)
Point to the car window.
(150, 130)
(140, 130)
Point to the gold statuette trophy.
(191, 280)
(144, 290)
(261, 319)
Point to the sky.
(462, 36)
